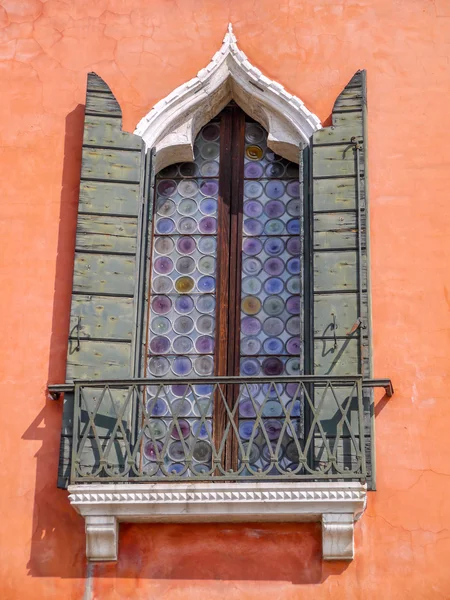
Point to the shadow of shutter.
(341, 321)
(105, 283)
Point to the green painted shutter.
(339, 271)
(105, 303)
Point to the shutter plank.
(104, 274)
(109, 198)
(106, 234)
(335, 231)
(98, 360)
(102, 317)
(102, 131)
(110, 164)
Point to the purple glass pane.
(207, 225)
(186, 245)
(274, 189)
(253, 171)
(252, 246)
(209, 187)
(274, 209)
(184, 304)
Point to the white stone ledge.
(336, 504)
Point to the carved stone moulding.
(337, 505)
(173, 123)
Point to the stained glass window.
(225, 290)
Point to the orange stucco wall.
(143, 49)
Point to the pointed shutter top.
(100, 100)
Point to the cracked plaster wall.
(143, 50)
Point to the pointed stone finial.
(229, 38)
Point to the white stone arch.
(173, 123)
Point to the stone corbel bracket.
(173, 123)
(336, 505)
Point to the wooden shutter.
(340, 321)
(104, 310)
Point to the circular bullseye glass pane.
(186, 245)
(254, 152)
(207, 265)
(273, 306)
(160, 345)
(166, 187)
(252, 189)
(187, 207)
(161, 305)
(165, 207)
(204, 344)
(254, 133)
(275, 189)
(160, 325)
(251, 305)
(207, 225)
(184, 304)
(162, 285)
(293, 189)
(273, 346)
(206, 303)
(206, 284)
(252, 266)
(253, 208)
(187, 225)
(253, 170)
(185, 265)
(210, 150)
(274, 266)
(274, 209)
(210, 132)
(250, 346)
(293, 285)
(208, 206)
(158, 366)
(250, 326)
(251, 285)
(253, 227)
(183, 325)
(205, 324)
(293, 246)
(204, 365)
(210, 169)
(207, 245)
(164, 245)
(273, 326)
(274, 227)
(252, 246)
(209, 187)
(275, 169)
(250, 367)
(182, 365)
(165, 226)
(274, 285)
(184, 285)
(274, 246)
(188, 170)
(182, 344)
(293, 345)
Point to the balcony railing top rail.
(222, 429)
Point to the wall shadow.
(57, 537)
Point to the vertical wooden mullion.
(234, 298)
(223, 270)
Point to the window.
(225, 299)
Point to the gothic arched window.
(225, 294)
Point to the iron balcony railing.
(221, 428)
